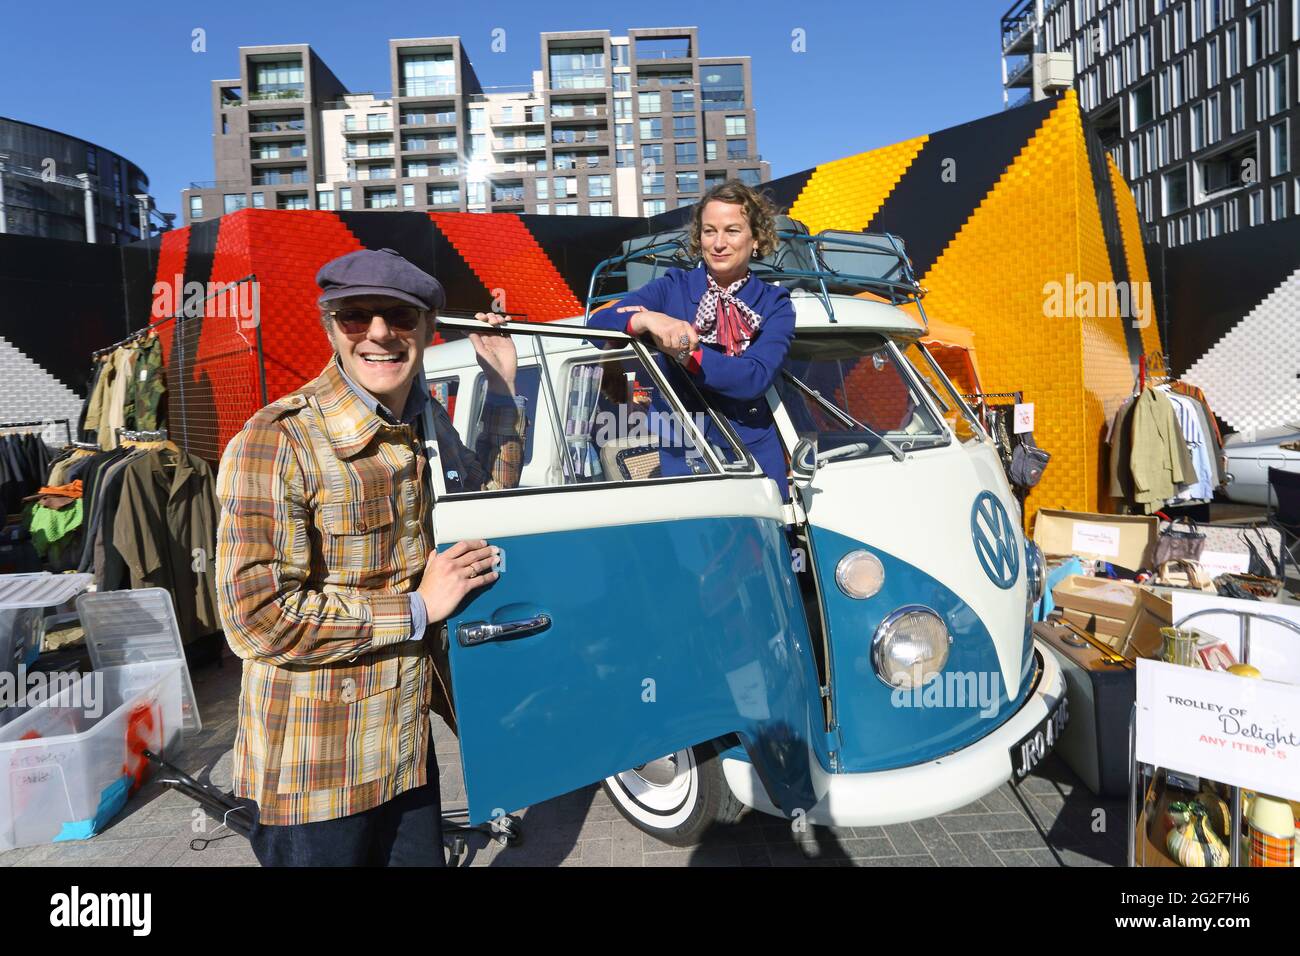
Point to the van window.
(954, 410)
(849, 391)
(597, 417)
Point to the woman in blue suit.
(719, 324)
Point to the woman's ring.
(683, 341)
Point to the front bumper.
(923, 790)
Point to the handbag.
(1181, 573)
(1259, 543)
(1175, 544)
(1028, 462)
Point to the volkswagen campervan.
(859, 655)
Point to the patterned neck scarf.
(723, 319)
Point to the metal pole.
(1132, 788)
(4, 222)
(145, 201)
(84, 179)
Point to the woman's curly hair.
(758, 208)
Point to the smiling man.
(327, 579)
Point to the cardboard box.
(1124, 615)
(1125, 540)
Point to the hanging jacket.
(1156, 456)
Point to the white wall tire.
(677, 798)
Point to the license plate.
(1038, 743)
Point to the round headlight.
(1036, 570)
(860, 574)
(910, 647)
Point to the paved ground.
(1048, 823)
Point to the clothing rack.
(1152, 367)
(158, 434)
(67, 426)
(976, 396)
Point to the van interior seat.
(630, 459)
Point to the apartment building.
(629, 125)
(1195, 100)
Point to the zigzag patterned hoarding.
(1002, 218)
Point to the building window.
(599, 186)
(652, 129)
(722, 86)
(349, 123)
(1175, 192)
(624, 158)
(750, 177)
(444, 195)
(416, 168)
(710, 150)
(566, 208)
(543, 187)
(233, 202)
(1198, 131)
(577, 68)
(1279, 201)
(196, 207)
(622, 83)
(1254, 37)
(324, 199)
(291, 201)
(1279, 152)
(602, 208)
(652, 153)
(345, 197)
(618, 53)
(736, 126)
(259, 200)
(1277, 87)
(408, 194)
(653, 207)
(1231, 50)
(1237, 106)
(652, 183)
(378, 121)
(427, 74)
(1140, 106)
(686, 154)
(1212, 60)
(737, 149)
(1213, 119)
(688, 182)
(1257, 207)
(622, 108)
(566, 186)
(683, 126)
(543, 209)
(281, 79)
(623, 134)
(381, 198)
(648, 103)
(683, 100)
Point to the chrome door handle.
(477, 632)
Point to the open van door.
(636, 613)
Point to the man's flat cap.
(379, 272)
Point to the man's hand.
(670, 336)
(450, 575)
(496, 354)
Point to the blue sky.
(123, 75)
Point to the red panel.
(504, 255)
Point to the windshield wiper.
(845, 419)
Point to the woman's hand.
(496, 353)
(450, 575)
(671, 336)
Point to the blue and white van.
(860, 655)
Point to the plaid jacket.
(326, 522)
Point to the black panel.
(925, 210)
(465, 293)
(202, 250)
(59, 300)
(1113, 235)
(409, 233)
(575, 244)
(1209, 286)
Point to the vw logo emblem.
(995, 540)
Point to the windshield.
(851, 394)
(955, 412)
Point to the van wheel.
(677, 798)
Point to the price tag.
(1024, 418)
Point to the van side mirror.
(803, 460)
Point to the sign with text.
(1023, 418)
(1237, 730)
(1100, 539)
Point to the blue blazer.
(734, 385)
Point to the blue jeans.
(405, 831)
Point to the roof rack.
(831, 262)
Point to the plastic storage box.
(68, 764)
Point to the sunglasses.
(399, 318)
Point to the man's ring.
(473, 572)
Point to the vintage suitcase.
(1101, 686)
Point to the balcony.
(283, 93)
(298, 125)
(1018, 25)
(276, 178)
(429, 86)
(366, 130)
(532, 116)
(579, 137)
(279, 155)
(1021, 74)
(519, 144)
(576, 80)
(579, 114)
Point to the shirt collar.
(351, 415)
(697, 282)
(415, 401)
